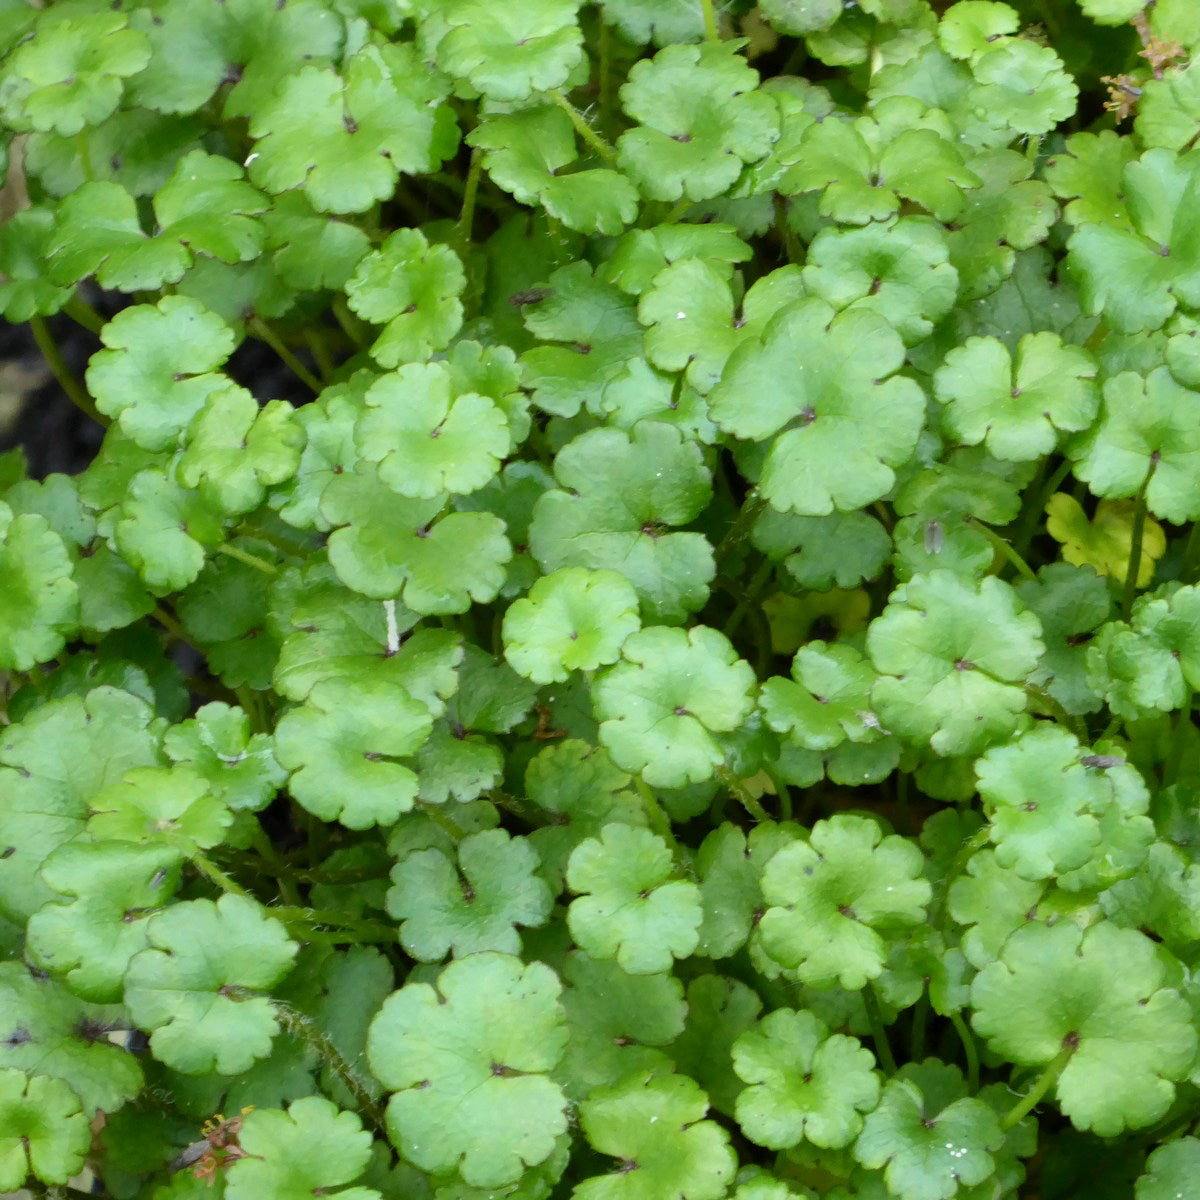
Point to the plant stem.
(171, 625)
(757, 582)
(1179, 740)
(1005, 549)
(659, 821)
(604, 84)
(712, 31)
(747, 801)
(301, 1026)
(1052, 707)
(251, 560)
(585, 131)
(972, 1054)
(916, 1045)
(1191, 555)
(1044, 1083)
(352, 327)
(83, 314)
(214, 874)
(752, 506)
(466, 216)
(58, 366)
(259, 328)
(318, 346)
(1037, 494)
(883, 1048)
(1135, 542)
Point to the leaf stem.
(712, 31)
(1004, 547)
(302, 1026)
(920, 1020)
(1037, 495)
(758, 581)
(83, 314)
(259, 328)
(969, 1049)
(1135, 542)
(251, 560)
(1191, 555)
(604, 84)
(214, 874)
(585, 131)
(659, 821)
(466, 216)
(352, 327)
(170, 624)
(1054, 709)
(63, 373)
(751, 508)
(883, 1048)
(1178, 747)
(748, 802)
(1044, 1083)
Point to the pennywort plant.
(689, 693)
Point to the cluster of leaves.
(697, 701)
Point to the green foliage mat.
(698, 703)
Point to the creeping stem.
(1135, 542)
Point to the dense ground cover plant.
(697, 701)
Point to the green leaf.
(473, 906)
(1024, 86)
(53, 1034)
(71, 72)
(39, 599)
(819, 381)
(110, 888)
(427, 438)
(344, 746)
(662, 22)
(598, 331)
(805, 1084)
(24, 243)
(235, 449)
(629, 907)
(831, 896)
(1169, 1170)
(688, 1157)
(581, 790)
(204, 209)
(51, 764)
(1145, 425)
(159, 368)
(1096, 999)
(166, 805)
(971, 27)
(509, 53)
(344, 138)
(1137, 275)
(1020, 407)
(238, 42)
(1090, 177)
(201, 1009)
(617, 1021)
(660, 707)
(700, 117)
(307, 1150)
(43, 1132)
(693, 326)
(413, 290)
(571, 620)
(1044, 801)
(951, 655)
(468, 1066)
(928, 1136)
(899, 269)
(163, 531)
(390, 546)
(524, 152)
(239, 767)
(865, 169)
(622, 495)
